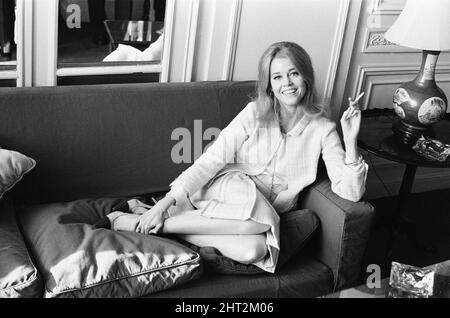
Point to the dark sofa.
(115, 141)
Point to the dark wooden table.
(376, 137)
(139, 34)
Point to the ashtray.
(432, 149)
(408, 281)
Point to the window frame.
(20, 68)
(50, 75)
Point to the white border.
(336, 52)
(189, 47)
(27, 53)
(108, 70)
(53, 36)
(232, 39)
(10, 74)
(166, 58)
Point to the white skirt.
(234, 195)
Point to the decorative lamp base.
(420, 103)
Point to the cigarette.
(154, 200)
(359, 97)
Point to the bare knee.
(253, 250)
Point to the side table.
(376, 137)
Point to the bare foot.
(138, 207)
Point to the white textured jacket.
(246, 145)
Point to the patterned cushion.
(78, 260)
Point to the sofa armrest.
(344, 231)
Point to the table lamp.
(420, 103)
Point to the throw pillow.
(13, 166)
(78, 260)
(18, 275)
(296, 229)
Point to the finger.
(351, 113)
(344, 114)
(156, 229)
(356, 113)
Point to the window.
(110, 41)
(89, 31)
(7, 20)
(7, 44)
(12, 30)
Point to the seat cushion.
(18, 275)
(301, 277)
(79, 260)
(296, 230)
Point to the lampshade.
(423, 24)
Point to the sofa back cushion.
(111, 140)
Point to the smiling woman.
(234, 196)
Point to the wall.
(345, 41)
(232, 35)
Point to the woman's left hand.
(351, 122)
(152, 221)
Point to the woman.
(231, 197)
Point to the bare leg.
(196, 224)
(190, 224)
(246, 249)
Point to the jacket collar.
(300, 126)
(296, 130)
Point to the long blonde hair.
(265, 98)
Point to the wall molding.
(337, 48)
(189, 47)
(232, 39)
(367, 71)
(374, 42)
(387, 7)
